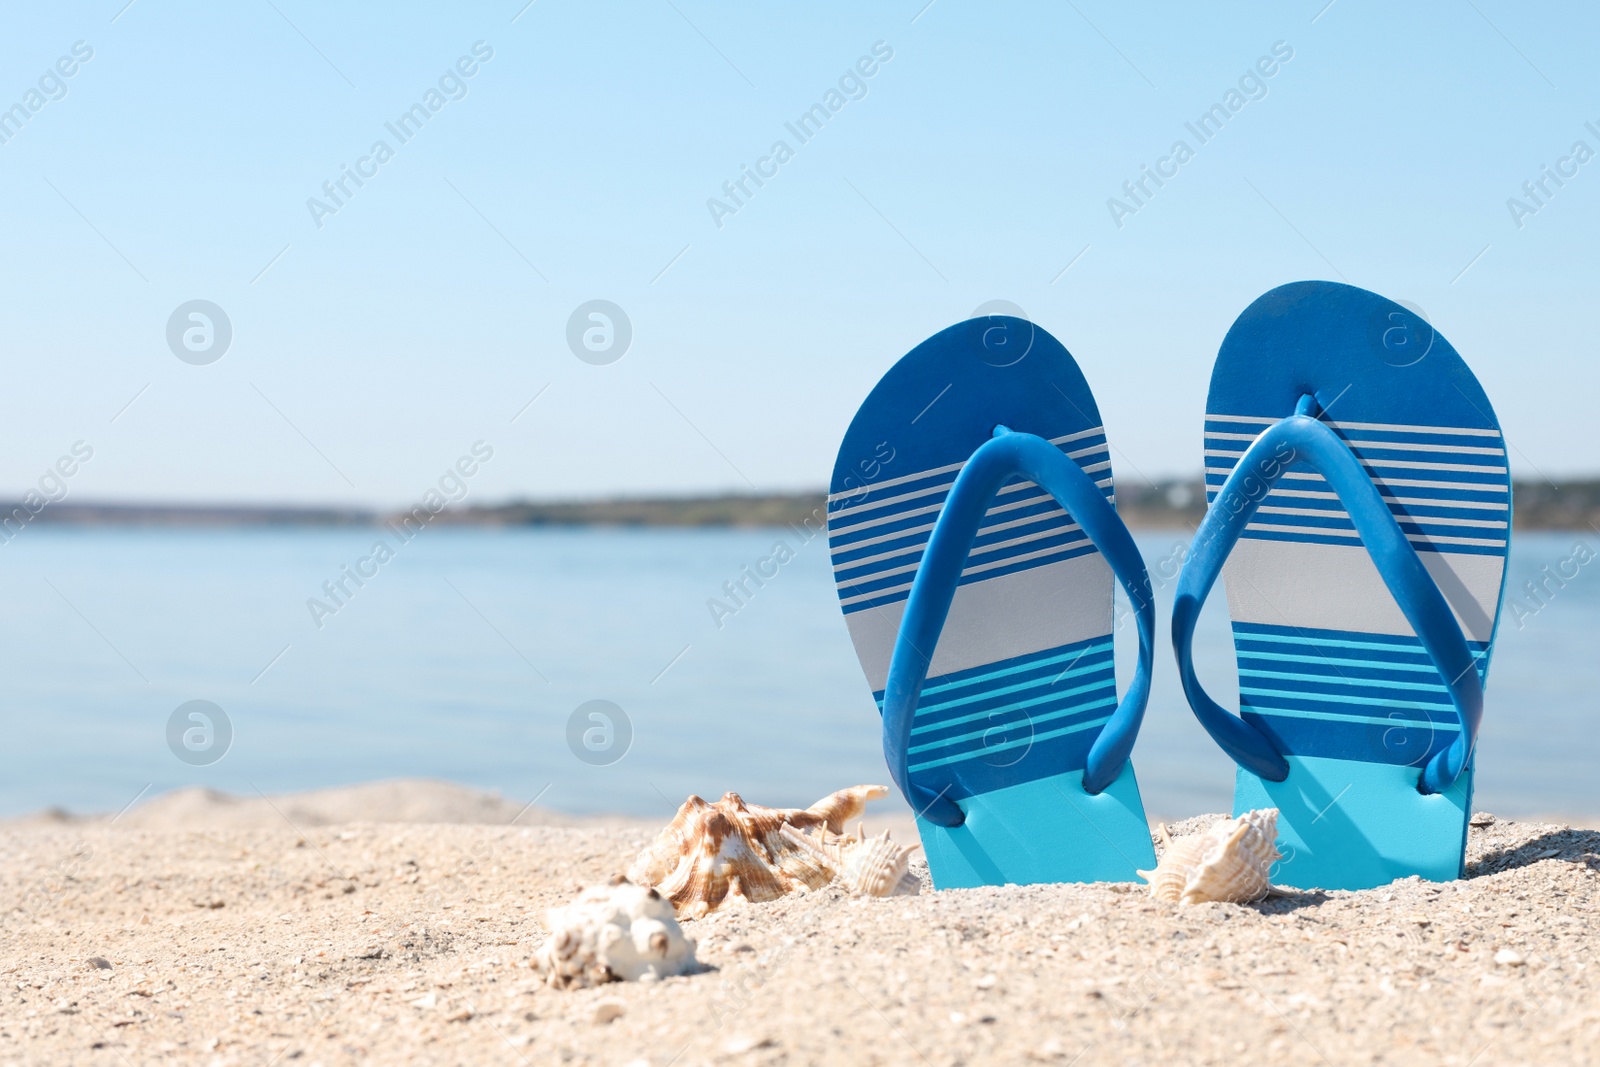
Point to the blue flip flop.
(1360, 498)
(974, 541)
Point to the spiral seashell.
(1231, 861)
(730, 852)
(1171, 875)
(868, 867)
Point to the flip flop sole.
(1022, 679)
(1329, 668)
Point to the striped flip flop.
(1360, 500)
(974, 541)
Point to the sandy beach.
(395, 923)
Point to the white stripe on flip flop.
(1055, 530)
(916, 531)
(1399, 446)
(1407, 483)
(1406, 501)
(998, 619)
(1017, 487)
(966, 572)
(938, 487)
(1404, 464)
(873, 575)
(944, 487)
(1036, 497)
(1337, 587)
(1417, 540)
(1385, 427)
(1417, 520)
(903, 479)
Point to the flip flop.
(974, 541)
(1360, 499)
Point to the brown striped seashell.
(1231, 861)
(732, 852)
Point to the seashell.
(1232, 862)
(867, 867)
(1171, 875)
(1237, 864)
(613, 933)
(733, 852)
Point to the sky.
(378, 337)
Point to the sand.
(176, 935)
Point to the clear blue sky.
(429, 309)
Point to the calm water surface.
(465, 656)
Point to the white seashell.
(867, 867)
(613, 933)
(731, 852)
(1171, 875)
(1231, 861)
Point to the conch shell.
(867, 867)
(613, 933)
(1230, 862)
(730, 851)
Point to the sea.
(592, 670)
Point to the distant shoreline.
(1166, 505)
(420, 800)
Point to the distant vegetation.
(1542, 506)
(778, 509)
(1165, 505)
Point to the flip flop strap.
(1302, 438)
(1009, 454)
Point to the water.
(465, 656)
